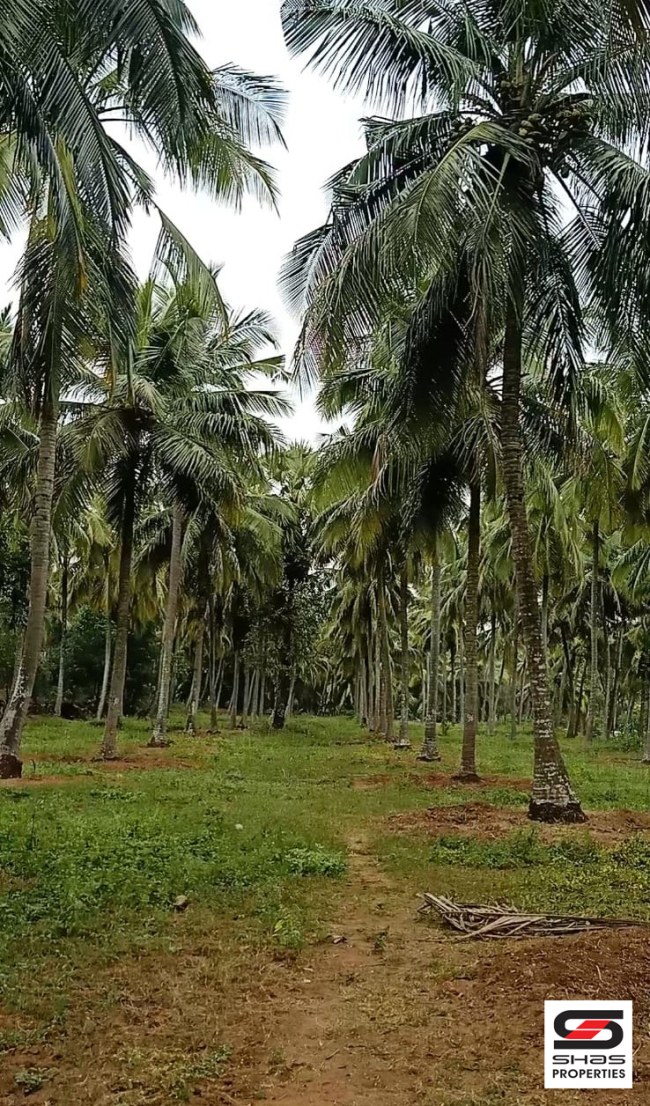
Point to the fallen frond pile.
(496, 920)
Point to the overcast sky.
(322, 133)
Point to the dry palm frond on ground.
(497, 920)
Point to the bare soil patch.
(395, 1014)
(29, 782)
(488, 823)
(442, 779)
(142, 758)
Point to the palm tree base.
(158, 743)
(11, 766)
(401, 744)
(466, 777)
(429, 757)
(569, 813)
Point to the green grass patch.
(256, 824)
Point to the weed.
(316, 862)
(32, 1079)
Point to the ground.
(294, 967)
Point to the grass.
(255, 825)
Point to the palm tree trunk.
(215, 697)
(429, 751)
(118, 675)
(444, 718)
(613, 703)
(363, 692)
(107, 648)
(262, 710)
(15, 715)
(247, 689)
(553, 798)
(381, 721)
(387, 707)
(594, 680)
(452, 676)
(292, 691)
(58, 705)
(515, 666)
(492, 671)
(159, 736)
(404, 742)
(545, 602)
(461, 668)
(193, 710)
(467, 771)
(234, 698)
(607, 653)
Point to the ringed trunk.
(58, 706)
(553, 798)
(594, 704)
(467, 771)
(107, 650)
(429, 749)
(118, 675)
(159, 736)
(193, 710)
(405, 665)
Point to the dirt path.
(395, 1014)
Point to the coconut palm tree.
(180, 417)
(514, 108)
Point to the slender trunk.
(107, 650)
(607, 654)
(522, 692)
(216, 698)
(370, 669)
(252, 695)
(15, 715)
(191, 723)
(515, 666)
(545, 601)
(613, 707)
(159, 736)
(363, 692)
(234, 698)
(470, 722)
(388, 712)
(580, 700)
(492, 673)
(118, 675)
(405, 665)
(444, 717)
(461, 670)
(292, 689)
(570, 682)
(452, 677)
(58, 706)
(594, 705)
(553, 798)
(247, 690)
(380, 687)
(263, 696)
(282, 685)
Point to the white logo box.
(588, 1044)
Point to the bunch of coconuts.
(537, 130)
(461, 125)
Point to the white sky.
(322, 133)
